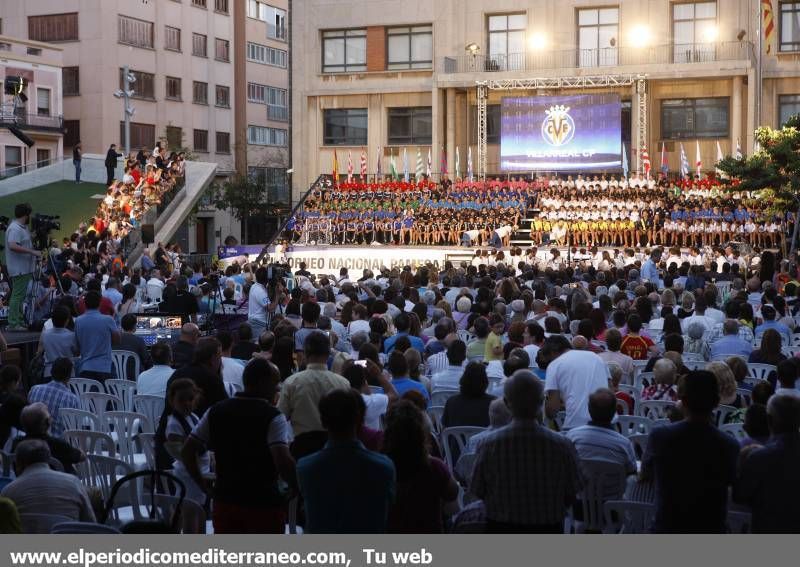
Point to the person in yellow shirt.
(603, 231)
(583, 232)
(494, 342)
(536, 231)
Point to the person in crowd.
(183, 302)
(301, 394)
(402, 324)
(787, 378)
(58, 341)
(131, 342)
(205, 371)
(665, 375)
(730, 343)
(40, 490)
(493, 349)
(36, 422)
(423, 483)
(244, 347)
(768, 314)
(519, 496)
(613, 355)
(111, 163)
(183, 350)
(250, 440)
(770, 350)
(21, 259)
(259, 306)
(692, 462)
(153, 382)
(95, 335)
(376, 403)
(232, 369)
(598, 440)
(450, 377)
(310, 325)
(634, 344)
(471, 405)
(499, 416)
(12, 401)
(56, 395)
(336, 500)
(397, 366)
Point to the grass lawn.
(73, 203)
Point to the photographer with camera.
(259, 304)
(21, 262)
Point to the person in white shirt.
(571, 376)
(375, 403)
(699, 316)
(258, 303)
(232, 368)
(153, 382)
(450, 377)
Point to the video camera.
(4, 222)
(41, 226)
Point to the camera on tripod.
(41, 226)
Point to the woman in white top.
(129, 302)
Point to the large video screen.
(561, 133)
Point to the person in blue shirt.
(650, 269)
(398, 368)
(346, 488)
(768, 314)
(402, 324)
(95, 333)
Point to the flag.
(349, 166)
(769, 23)
(363, 164)
(699, 161)
(429, 169)
(392, 165)
(664, 164)
(406, 175)
(684, 163)
(645, 162)
(443, 172)
(418, 170)
(739, 154)
(379, 169)
(720, 157)
(469, 164)
(335, 172)
(625, 169)
(458, 164)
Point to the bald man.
(183, 350)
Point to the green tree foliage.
(244, 196)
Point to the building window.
(277, 104)
(598, 30)
(263, 136)
(790, 26)
(201, 140)
(172, 38)
(266, 55)
(42, 158)
(53, 27)
(492, 124)
(345, 127)
(223, 96)
(344, 51)
(71, 79)
(199, 92)
(221, 6)
(256, 93)
(43, 102)
(199, 45)
(142, 135)
(221, 49)
(410, 125)
(143, 86)
(275, 18)
(174, 137)
(137, 33)
(223, 143)
(199, 3)
(72, 132)
(174, 91)
(788, 106)
(410, 48)
(507, 41)
(34, 51)
(694, 26)
(695, 118)
(13, 163)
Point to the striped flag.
(458, 163)
(769, 23)
(625, 168)
(699, 161)
(420, 166)
(684, 163)
(379, 169)
(429, 168)
(664, 163)
(720, 157)
(363, 164)
(645, 162)
(406, 175)
(739, 154)
(335, 168)
(349, 166)
(443, 172)
(392, 165)
(469, 164)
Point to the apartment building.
(375, 76)
(40, 117)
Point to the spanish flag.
(769, 23)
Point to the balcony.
(42, 123)
(598, 58)
(276, 32)
(277, 113)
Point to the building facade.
(369, 76)
(40, 117)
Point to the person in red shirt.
(106, 306)
(633, 344)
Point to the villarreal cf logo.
(558, 128)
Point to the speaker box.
(148, 233)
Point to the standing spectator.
(56, 395)
(493, 349)
(21, 261)
(259, 304)
(183, 302)
(336, 500)
(57, 341)
(471, 405)
(153, 382)
(520, 496)
(77, 157)
(244, 347)
(232, 368)
(205, 370)
(250, 440)
(301, 394)
(111, 163)
(106, 307)
(310, 314)
(133, 343)
(693, 463)
(112, 292)
(95, 334)
(183, 351)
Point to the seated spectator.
(205, 371)
(693, 463)
(450, 377)
(768, 313)
(756, 425)
(59, 341)
(244, 347)
(635, 345)
(35, 420)
(56, 395)
(183, 302)
(477, 346)
(183, 350)
(693, 341)
(623, 398)
(787, 378)
(423, 483)
(499, 416)
(613, 355)
(471, 405)
(730, 343)
(133, 343)
(40, 490)
(769, 352)
(598, 440)
(336, 500)
(519, 496)
(727, 384)
(12, 400)
(664, 377)
(153, 382)
(398, 368)
(402, 324)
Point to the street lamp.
(125, 93)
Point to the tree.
(773, 171)
(244, 196)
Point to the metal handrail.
(300, 203)
(30, 166)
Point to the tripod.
(31, 298)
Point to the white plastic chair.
(126, 426)
(736, 430)
(746, 396)
(98, 403)
(147, 445)
(721, 414)
(559, 419)
(454, 439)
(154, 293)
(440, 397)
(124, 390)
(759, 372)
(602, 481)
(633, 391)
(104, 472)
(629, 425)
(796, 339)
(464, 335)
(91, 442)
(232, 388)
(150, 406)
(80, 386)
(435, 414)
(79, 419)
(628, 516)
(655, 409)
(125, 365)
(694, 364)
(640, 379)
(83, 528)
(640, 441)
(692, 357)
(638, 367)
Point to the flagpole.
(759, 68)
